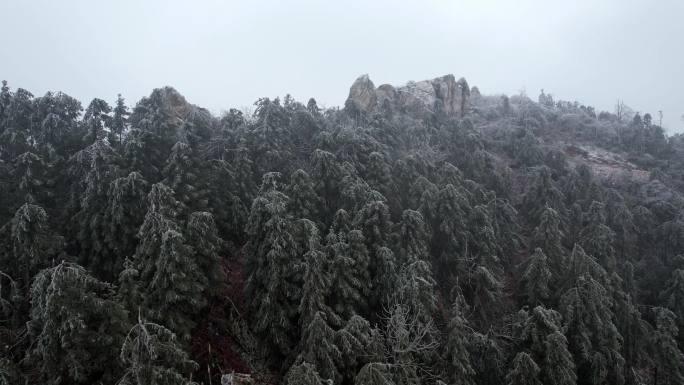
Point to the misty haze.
(350, 193)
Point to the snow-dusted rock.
(443, 94)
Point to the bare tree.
(408, 338)
(660, 118)
(620, 109)
(407, 334)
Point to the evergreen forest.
(500, 240)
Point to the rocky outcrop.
(440, 95)
(362, 94)
(171, 111)
(605, 164)
(386, 95)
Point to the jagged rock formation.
(175, 106)
(173, 111)
(362, 93)
(443, 94)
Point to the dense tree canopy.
(509, 242)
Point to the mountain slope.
(424, 233)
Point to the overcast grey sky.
(223, 54)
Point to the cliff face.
(362, 93)
(443, 94)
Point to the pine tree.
(155, 128)
(176, 291)
(170, 282)
(488, 359)
(634, 329)
(484, 245)
(408, 172)
(33, 243)
(129, 293)
(198, 127)
(78, 167)
(597, 238)
(548, 236)
(244, 172)
(270, 254)
(417, 209)
(672, 296)
(543, 192)
(9, 372)
(594, 339)
(304, 203)
(450, 243)
(269, 135)
(124, 214)
(355, 192)
(621, 220)
(644, 223)
(326, 173)
(374, 220)
(559, 368)
(450, 174)
(580, 264)
(119, 122)
(668, 358)
(525, 148)
(374, 373)
(303, 374)
(536, 278)
(182, 173)
(319, 348)
(358, 344)
(457, 361)
(162, 215)
(151, 355)
(10, 300)
(31, 176)
(76, 327)
(476, 193)
(224, 200)
(202, 235)
(91, 231)
(534, 326)
(379, 176)
(316, 279)
(312, 107)
(524, 371)
(16, 122)
(95, 119)
(137, 149)
(670, 236)
(426, 205)
(575, 223)
(384, 279)
(5, 100)
(507, 229)
(349, 273)
(413, 238)
(577, 184)
(540, 331)
(339, 227)
(485, 292)
(55, 125)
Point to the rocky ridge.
(443, 94)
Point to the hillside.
(424, 233)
